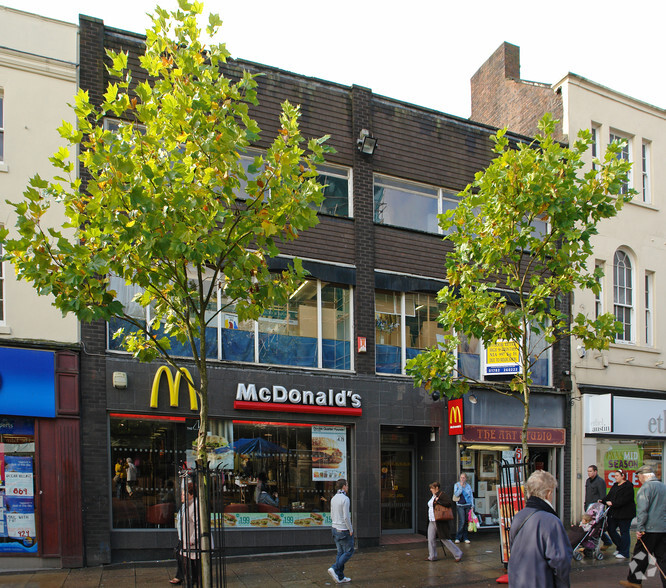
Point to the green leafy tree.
(168, 206)
(521, 238)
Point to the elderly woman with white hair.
(540, 549)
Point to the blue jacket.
(466, 492)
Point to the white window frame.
(595, 130)
(3, 155)
(442, 195)
(621, 294)
(646, 163)
(649, 308)
(599, 298)
(344, 173)
(626, 154)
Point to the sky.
(423, 51)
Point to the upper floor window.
(413, 206)
(336, 191)
(649, 302)
(312, 329)
(645, 171)
(595, 147)
(405, 325)
(598, 297)
(625, 153)
(2, 128)
(623, 302)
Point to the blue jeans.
(463, 511)
(345, 544)
(623, 540)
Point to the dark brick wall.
(501, 99)
(416, 144)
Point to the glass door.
(397, 490)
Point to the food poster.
(329, 453)
(510, 501)
(266, 520)
(219, 446)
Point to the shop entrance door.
(397, 489)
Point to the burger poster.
(259, 520)
(329, 453)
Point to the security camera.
(581, 351)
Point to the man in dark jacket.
(540, 549)
(595, 487)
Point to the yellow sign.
(174, 387)
(503, 352)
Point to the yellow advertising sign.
(174, 387)
(502, 357)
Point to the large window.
(625, 153)
(405, 325)
(312, 329)
(336, 191)
(623, 301)
(414, 206)
(298, 461)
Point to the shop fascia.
(279, 398)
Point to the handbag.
(456, 498)
(443, 513)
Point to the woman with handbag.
(440, 515)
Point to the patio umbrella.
(257, 446)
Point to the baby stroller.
(590, 544)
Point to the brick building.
(376, 262)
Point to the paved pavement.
(399, 566)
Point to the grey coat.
(540, 551)
(651, 507)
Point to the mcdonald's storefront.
(298, 431)
(491, 433)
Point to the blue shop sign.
(27, 382)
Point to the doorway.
(397, 489)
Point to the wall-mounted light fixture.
(366, 143)
(432, 435)
(120, 380)
(472, 398)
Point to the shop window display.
(297, 463)
(17, 486)
(628, 455)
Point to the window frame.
(649, 308)
(2, 127)
(2, 289)
(440, 195)
(343, 173)
(646, 163)
(621, 306)
(595, 130)
(599, 298)
(626, 154)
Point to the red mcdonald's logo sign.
(456, 421)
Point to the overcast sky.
(424, 51)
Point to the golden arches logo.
(174, 387)
(455, 415)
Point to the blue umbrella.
(257, 446)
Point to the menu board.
(329, 453)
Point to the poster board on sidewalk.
(510, 501)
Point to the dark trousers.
(463, 512)
(623, 539)
(640, 562)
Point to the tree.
(168, 207)
(521, 239)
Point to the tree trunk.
(202, 488)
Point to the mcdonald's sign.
(174, 387)
(456, 421)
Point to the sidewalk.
(400, 566)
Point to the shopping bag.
(473, 522)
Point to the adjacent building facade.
(619, 395)
(40, 469)
(314, 390)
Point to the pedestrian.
(441, 529)
(180, 560)
(595, 487)
(131, 476)
(343, 532)
(464, 499)
(540, 549)
(650, 529)
(622, 509)
(595, 491)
